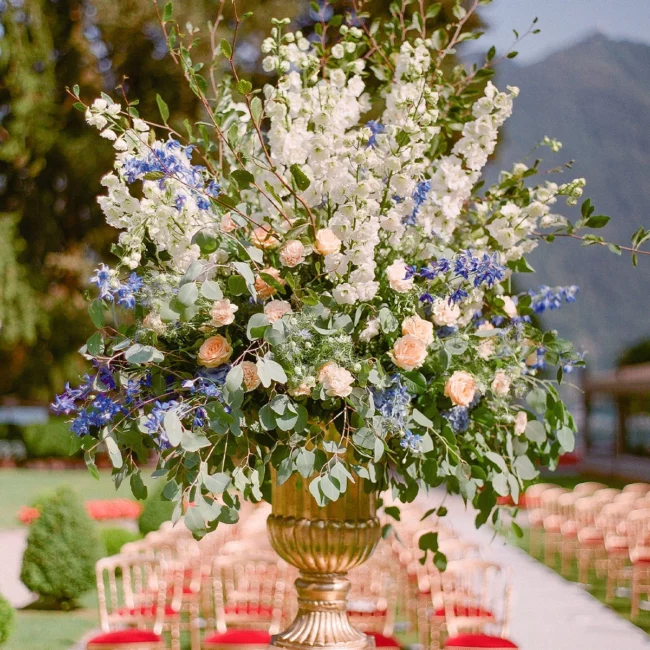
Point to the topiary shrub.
(115, 538)
(156, 511)
(62, 548)
(7, 616)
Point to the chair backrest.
(637, 488)
(638, 527)
(533, 494)
(249, 591)
(606, 495)
(549, 500)
(476, 597)
(588, 487)
(132, 590)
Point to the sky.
(563, 22)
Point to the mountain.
(595, 98)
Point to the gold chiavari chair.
(477, 605)
(552, 521)
(639, 534)
(136, 604)
(248, 593)
(606, 495)
(431, 621)
(532, 500)
(591, 539)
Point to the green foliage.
(115, 538)
(49, 440)
(7, 616)
(62, 548)
(637, 353)
(156, 511)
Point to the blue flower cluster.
(476, 270)
(376, 128)
(411, 441)
(419, 196)
(111, 289)
(102, 411)
(167, 160)
(208, 381)
(458, 418)
(552, 297)
(393, 402)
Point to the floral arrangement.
(97, 509)
(314, 279)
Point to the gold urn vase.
(323, 543)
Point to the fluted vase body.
(323, 543)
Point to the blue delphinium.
(551, 298)
(458, 418)
(411, 441)
(376, 128)
(103, 278)
(393, 402)
(112, 290)
(419, 196)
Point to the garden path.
(12, 547)
(548, 612)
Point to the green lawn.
(46, 630)
(597, 589)
(20, 487)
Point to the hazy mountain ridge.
(595, 98)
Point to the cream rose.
(227, 224)
(418, 327)
(443, 313)
(214, 352)
(521, 422)
(251, 378)
(409, 352)
(327, 242)
(263, 238)
(222, 313)
(292, 253)
(509, 307)
(461, 388)
(303, 389)
(276, 309)
(263, 289)
(154, 322)
(501, 383)
(337, 381)
(396, 274)
(371, 330)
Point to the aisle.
(548, 613)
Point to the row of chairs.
(602, 530)
(230, 589)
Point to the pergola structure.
(626, 386)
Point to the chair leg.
(195, 632)
(636, 594)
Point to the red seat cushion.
(478, 641)
(124, 637)
(460, 610)
(251, 609)
(382, 641)
(239, 637)
(146, 612)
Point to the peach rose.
(222, 313)
(509, 307)
(251, 378)
(263, 289)
(418, 327)
(443, 313)
(263, 237)
(214, 352)
(461, 388)
(292, 253)
(303, 389)
(396, 274)
(227, 224)
(501, 383)
(336, 380)
(521, 422)
(409, 352)
(276, 309)
(327, 242)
